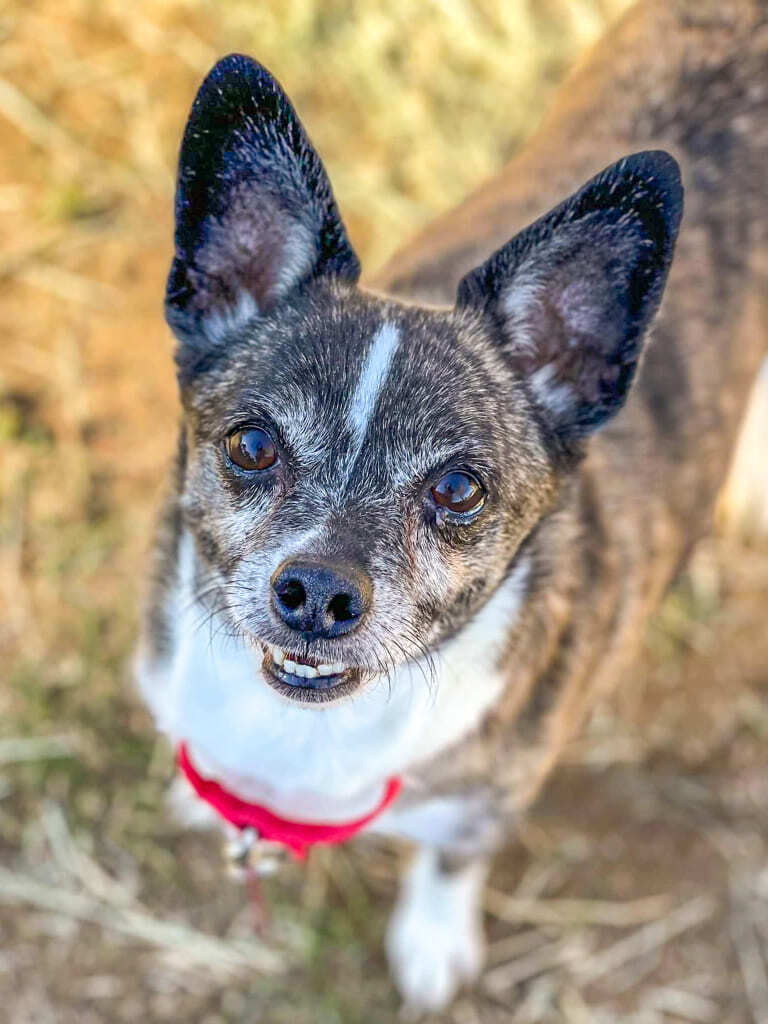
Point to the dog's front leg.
(435, 939)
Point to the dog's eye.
(251, 448)
(459, 492)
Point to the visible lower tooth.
(277, 655)
(335, 669)
(304, 671)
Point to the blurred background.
(637, 891)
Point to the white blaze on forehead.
(375, 371)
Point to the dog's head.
(359, 473)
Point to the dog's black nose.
(320, 600)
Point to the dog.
(415, 528)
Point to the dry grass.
(111, 913)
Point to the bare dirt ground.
(637, 891)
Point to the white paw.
(435, 942)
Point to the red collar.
(298, 836)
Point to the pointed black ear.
(573, 294)
(255, 214)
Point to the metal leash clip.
(248, 854)
(249, 859)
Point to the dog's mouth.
(308, 680)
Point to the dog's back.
(690, 77)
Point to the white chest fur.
(320, 762)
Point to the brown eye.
(458, 492)
(251, 448)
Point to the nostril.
(319, 599)
(292, 594)
(340, 608)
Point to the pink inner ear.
(564, 332)
(577, 306)
(256, 249)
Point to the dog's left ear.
(255, 214)
(572, 296)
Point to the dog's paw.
(435, 942)
(429, 963)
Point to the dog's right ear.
(255, 214)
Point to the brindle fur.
(691, 78)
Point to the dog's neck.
(325, 762)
